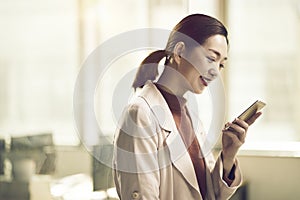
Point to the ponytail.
(148, 69)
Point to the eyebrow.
(217, 53)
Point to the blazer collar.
(161, 110)
(158, 105)
(178, 152)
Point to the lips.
(204, 80)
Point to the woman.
(158, 151)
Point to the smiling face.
(201, 65)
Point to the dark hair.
(196, 27)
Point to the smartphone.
(254, 108)
(251, 110)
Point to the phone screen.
(250, 111)
(254, 108)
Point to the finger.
(253, 118)
(236, 127)
(242, 123)
(234, 138)
(239, 131)
(226, 126)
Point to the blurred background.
(44, 45)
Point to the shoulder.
(138, 112)
(146, 108)
(144, 102)
(137, 125)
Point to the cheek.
(197, 60)
(194, 79)
(200, 62)
(200, 67)
(190, 72)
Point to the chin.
(198, 90)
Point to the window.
(38, 66)
(264, 64)
(44, 44)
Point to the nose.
(212, 73)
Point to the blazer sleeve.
(222, 190)
(135, 162)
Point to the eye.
(221, 66)
(211, 59)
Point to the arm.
(226, 174)
(222, 189)
(233, 138)
(136, 171)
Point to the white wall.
(274, 178)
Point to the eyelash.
(211, 60)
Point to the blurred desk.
(14, 190)
(43, 187)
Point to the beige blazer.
(151, 161)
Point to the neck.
(173, 81)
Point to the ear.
(178, 52)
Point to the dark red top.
(183, 122)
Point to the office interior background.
(45, 43)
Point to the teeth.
(206, 79)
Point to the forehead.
(217, 43)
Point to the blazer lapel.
(181, 158)
(205, 144)
(178, 152)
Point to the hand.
(233, 138)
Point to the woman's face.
(202, 64)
